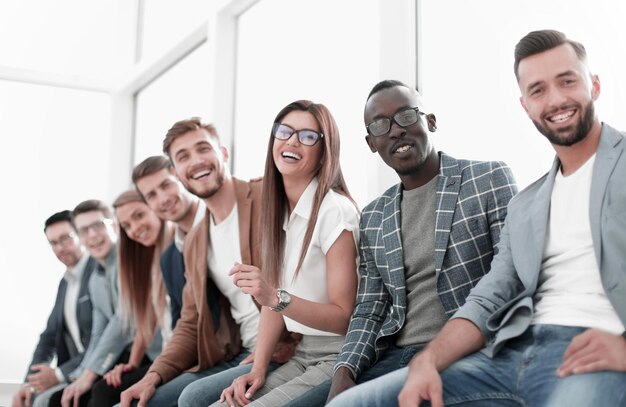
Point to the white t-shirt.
(336, 214)
(570, 291)
(224, 251)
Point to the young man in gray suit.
(550, 314)
(109, 338)
(424, 243)
(69, 325)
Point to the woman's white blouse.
(337, 213)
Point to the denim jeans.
(394, 358)
(167, 394)
(207, 390)
(523, 373)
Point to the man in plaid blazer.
(415, 268)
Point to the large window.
(468, 81)
(56, 153)
(181, 92)
(290, 50)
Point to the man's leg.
(43, 399)
(539, 384)
(590, 390)
(208, 390)
(167, 395)
(380, 392)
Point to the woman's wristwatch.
(284, 299)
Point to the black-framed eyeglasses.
(63, 241)
(96, 226)
(404, 118)
(306, 137)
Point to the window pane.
(468, 80)
(167, 22)
(180, 93)
(72, 37)
(56, 154)
(290, 50)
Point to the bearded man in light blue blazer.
(550, 314)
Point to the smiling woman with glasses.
(307, 282)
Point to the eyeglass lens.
(96, 226)
(403, 118)
(306, 137)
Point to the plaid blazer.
(472, 198)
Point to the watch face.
(284, 296)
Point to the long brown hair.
(142, 291)
(275, 203)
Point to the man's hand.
(24, 397)
(73, 392)
(43, 379)
(342, 381)
(422, 383)
(142, 391)
(593, 351)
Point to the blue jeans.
(394, 358)
(523, 373)
(167, 394)
(199, 393)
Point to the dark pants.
(90, 400)
(103, 395)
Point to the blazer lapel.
(607, 154)
(392, 238)
(448, 187)
(532, 242)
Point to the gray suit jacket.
(56, 340)
(109, 335)
(501, 305)
(472, 198)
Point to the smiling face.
(406, 150)
(200, 162)
(96, 233)
(558, 93)
(165, 195)
(293, 159)
(64, 242)
(139, 222)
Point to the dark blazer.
(173, 270)
(56, 340)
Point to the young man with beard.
(68, 330)
(424, 243)
(110, 340)
(550, 315)
(218, 325)
(157, 182)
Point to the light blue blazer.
(501, 305)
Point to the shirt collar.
(305, 204)
(76, 273)
(179, 235)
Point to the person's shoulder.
(378, 203)
(256, 186)
(337, 202)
